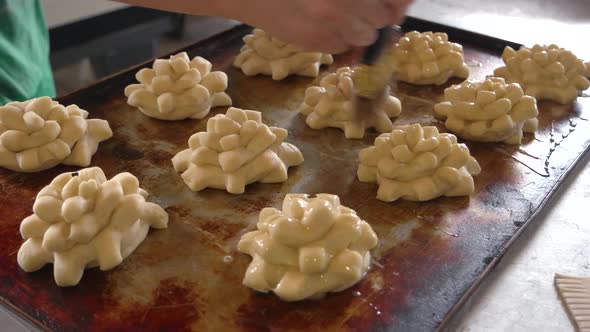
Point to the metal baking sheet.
(430, 255)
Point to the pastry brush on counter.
(372, 77)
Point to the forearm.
(329, 26)
(224, 8)
(246, 11)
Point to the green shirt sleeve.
(25, 70)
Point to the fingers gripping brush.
(371, 78)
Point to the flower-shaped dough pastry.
(312, 247)
(428, 58)
(237, 149)
(263, 54)
(82, 220)
(546, 72)
(418, 164)
(41, 133)
(488, 111)
(178, 88)
(330, 105)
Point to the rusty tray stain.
(188, 277)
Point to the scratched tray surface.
(188, 276)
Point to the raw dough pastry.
(237, 149)
(575, 294)
(330, 105)
(488, 111)
(178, 89)
(81, 220)
(41, 133)
(263, 54)
(546, 72)
(428, 58)
(312, 247)
(418, 164)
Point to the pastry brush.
(372, 77)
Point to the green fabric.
(25, 71)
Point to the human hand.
(330, 26)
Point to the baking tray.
(430, 255)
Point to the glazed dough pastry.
(237, 149)
(488, 111)
(575, 294)
(81, 220)
(546, 72)
(418, 164)
(178, 88)
(41, 133)
(263, 54)
(428, 58)
(312, 247)
(330, 105)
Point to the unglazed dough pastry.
(178, 88)
(488, 111)
(418, 164)
(575, 294)
(237, 149)
(312, 247)
(263, 54)
(546, 72)
(41, 133)
(81, 220)
(330, 105)
(428, 58)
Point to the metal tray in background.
(430, 256)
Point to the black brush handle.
(372, 52)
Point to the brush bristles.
(370, 81)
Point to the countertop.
(60, 12)
(518, 295)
